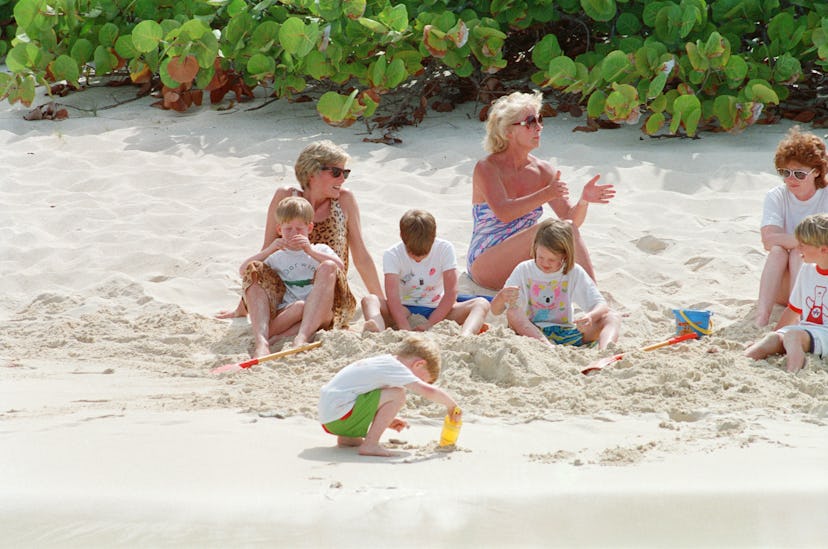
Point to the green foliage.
(684, 65)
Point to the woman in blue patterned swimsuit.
(510, 187)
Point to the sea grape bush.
(670, 66)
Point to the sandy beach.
(121, 235)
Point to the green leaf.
(787, 69)
(296, 37)
(615, 65)
(560, 72)
(686, 112)
(546, 50)
(108, 34)
(654, 123)
(627, 24)
(656, 86)
(761, 91)
(396, 18)
(395, 74)
(736, 70)
(353, 9)
(261, 66)
(105, 61)
(66, 68)
(316, 65)
(599, 10)
(596, 103)
(83, 50)
(146, 36)
(373, 26)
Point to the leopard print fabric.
(333, 231)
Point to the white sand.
(121, 234)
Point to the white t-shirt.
(783, 209)
(550, 299)
(809, 296)
(296, 269)
(421, 284)
(363, 376)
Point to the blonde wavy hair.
(420, 346)
(504, 112)
(315, 156)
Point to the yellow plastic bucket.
(691, 320)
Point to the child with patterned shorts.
(541, 293)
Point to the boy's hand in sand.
(398, 424)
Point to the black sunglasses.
(336, 172)
(531, 120)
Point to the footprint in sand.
(651, 244)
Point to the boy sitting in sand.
(362, 399)
(803, 327)
(309, 273)
(541, 291)
(421, 279)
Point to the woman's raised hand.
(556, 189)
(598, 194)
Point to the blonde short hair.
(317, 155)
(813, 230)
(420, 346)
(556, 236)
(504, 112)
(418, 229)
(294, 207)
(804, 148)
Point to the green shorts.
(355, 423)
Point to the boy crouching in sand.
(362, 399)
(808, 303)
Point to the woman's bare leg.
(493, 267)
(771, 285)
(372, 312)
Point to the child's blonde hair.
(418, 229)
(813, 230)
(504, 112)
(314, 157)
(556, 236)
(294, 207)
(420, 346)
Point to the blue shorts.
(418, 310)
(561, 335)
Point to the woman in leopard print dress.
(320, 170)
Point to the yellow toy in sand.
(451, 428)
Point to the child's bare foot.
(348, 442)
(370, 326)
(762, 319)
(374, 450)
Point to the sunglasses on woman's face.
(531, 120)
(336, 172)
(799, 174)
